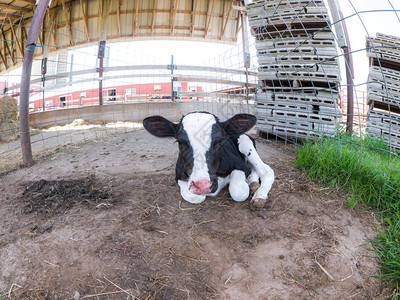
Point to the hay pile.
(9, 125)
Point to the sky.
(365, 18)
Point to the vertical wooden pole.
(33, 35)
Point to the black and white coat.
(214, 154)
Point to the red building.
(123, 93)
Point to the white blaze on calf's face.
(198, 127)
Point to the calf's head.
(201, 138)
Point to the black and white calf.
(213, 154)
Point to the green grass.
(369, 176)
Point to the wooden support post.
(33, 35)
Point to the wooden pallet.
(321, 98)
(292, 42)
(301, 115)
(304, 90)
(278, 13)
(322, 75)
(298, 51)
(273, 123)
(384, 75)
(389, 136)
(287, 85)
(384, 120)
(385, 38)
(296, 106)
(298, 68)
(383, 93)
(384, 86)
(267, 31)
(300, 37)
(294, 67)
(386, 53)
(286, 6)
(296, 133)
(320, 59)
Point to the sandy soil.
(105, 220)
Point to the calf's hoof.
(257, 203)
(253, 187)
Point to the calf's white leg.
(265, 173)
(238, 187)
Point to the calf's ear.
(159, 126)
(239, 124)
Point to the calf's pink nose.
(201, 187)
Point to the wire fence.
(76, 95)
(297, 82)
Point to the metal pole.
(33, 35)
(102, 46)
(344, 43)
(349, 78)
(246, 55)
(350, 91)
(70, 69)
(172, 78)
(247, 84)
(44, 71)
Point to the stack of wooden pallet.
(384, 88)
(298, 68)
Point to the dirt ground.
(105, 220)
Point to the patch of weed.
(370, 173)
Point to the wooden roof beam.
(71, 40)
(85, 19)
(6, 47)
(175, 8)
(119, 16)
(31, 2)
(226, 21)
(16, 9)
(136, 18)
(209, 19)
(3, 58)
(105, 12)
(21, 52)
(238, 28)
(100, 12)
(52, 29)
(194, 10)
(223, 16)
(154, 16)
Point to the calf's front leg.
(238, 187)
(265, 173)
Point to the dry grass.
(8, 109)
(8, 119)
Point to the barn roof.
(73, 23)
